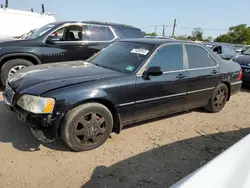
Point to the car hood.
(43, 78)
(242, 60)
(7, 39)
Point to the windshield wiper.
(99, 65)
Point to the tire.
(82, 128)
(6, 68)
(218, 99)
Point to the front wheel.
(11, 67)
(87, 127)
(218, 99)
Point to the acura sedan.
(128, 82)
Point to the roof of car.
(95, 22)
(156, 41)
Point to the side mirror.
(152, 71)
(52, 39)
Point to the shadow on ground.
(165, 165)
(19, 135)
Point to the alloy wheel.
(220, 98)
(15, 69)
(90, 129)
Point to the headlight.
(36, 105)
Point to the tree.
(197, 34)
(239, 34)
(225, 38)
(149, 34)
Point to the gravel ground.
(154, 154)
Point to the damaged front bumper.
(43, 126)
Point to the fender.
(21, 54)
(78, 97)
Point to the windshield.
(40, 31)
(123, 57)
(247, 52)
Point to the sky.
(213, 16)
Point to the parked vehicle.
(238, 47)
(130, 81)
(244, 61)
(159, 37)
(242, 50)
(60, 41)
(224, 50)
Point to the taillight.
(240, 75)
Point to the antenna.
(43, 10)
(31, 10)
(6, 3)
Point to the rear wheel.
(87, 127)
(11, 67)
(218, 99)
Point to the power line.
(183, 27)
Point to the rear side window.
(227, 49)
(169, 58)
(97, 33)
(127, 32)
(199, 57)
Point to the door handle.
(181, 76)
(214, 72)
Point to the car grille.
(8, 95)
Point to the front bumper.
(44, 126)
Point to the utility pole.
(163, 30)
(155, 28)
(43, 10)
(174, 27)
(6, 3)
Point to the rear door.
(164, 94)
(204, 75)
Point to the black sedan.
(127, 82)
(244, 61)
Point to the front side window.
(68, 33)
(123, 57)
(199, 57)
(169, 58)
(217, 49)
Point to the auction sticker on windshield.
(139, 51)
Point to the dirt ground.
(154, 154)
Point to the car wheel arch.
(117, 124)
(228, 87)
(27, 56)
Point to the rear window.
(128, 32)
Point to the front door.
(204, 75)
(64, 44)
(62, 51)
(164, 94)
(77, 42)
